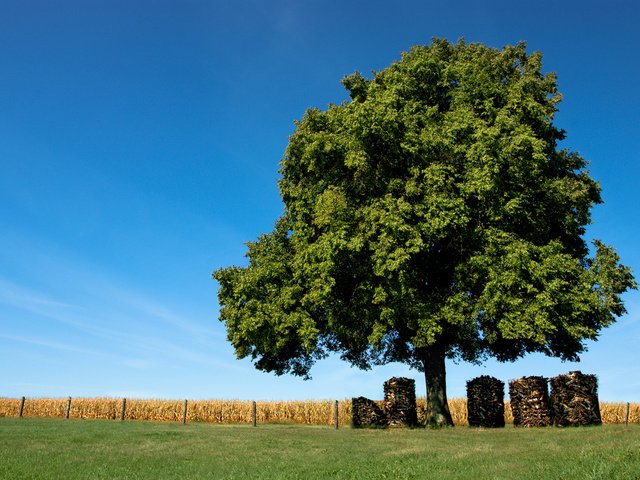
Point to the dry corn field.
(312, 412)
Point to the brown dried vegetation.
(311, 412)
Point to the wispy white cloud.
(27, 299)
(158, 311)
(41, 305)
(95, 299)
(117, 332)
(158, 347)
(100, 319)
(52, 344)
(122, 318)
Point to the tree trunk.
(437, 414)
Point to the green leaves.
(432, 211)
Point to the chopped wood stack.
(485, 402)
(366, 413)
(400, 402)
(530, 402)
(574, 399)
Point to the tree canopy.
(432, 215)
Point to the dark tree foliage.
(432, 216)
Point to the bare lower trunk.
(437, 414)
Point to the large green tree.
(431, 216)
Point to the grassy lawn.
(33, 448)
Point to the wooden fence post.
(253, 413)
(66, 413)
(21, 407)
(336, 418)
(184, 414)
(626, 417)
(124, 409)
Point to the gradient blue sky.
(139, 150)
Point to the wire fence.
(312, 412)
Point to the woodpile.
(530, 402)
(485, 402)
(366, 413)
(574, 400)
(400, 402)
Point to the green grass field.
(88, 449)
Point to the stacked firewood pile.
(530, 402)
(485, 402)
(574, 399)
(400, 402)
(367, 413)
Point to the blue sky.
(140, 148)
